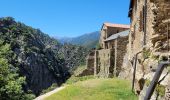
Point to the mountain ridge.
(88, 40)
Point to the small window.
(136, 5)
(141, 20)
(117, 31)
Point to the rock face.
(73, 55)
(34, 54)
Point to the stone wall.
(90, 60)
(159, 39)
(104, 63)
(120, 51)
(106, 32)
(89, 65)
(140, 31)
(148, 36)
(108, 62)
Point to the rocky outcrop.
(34, 54)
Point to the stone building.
(108, 59)
(109, 29)
(148, 42)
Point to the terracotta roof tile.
(117, 25)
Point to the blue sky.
(68, 18)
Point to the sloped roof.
(117, 25)
(121, 34)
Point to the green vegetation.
(146, 53)
(33, 55)
(10, 82)
(98, 46)
(160, 89)
(88, 41)
(73, 55)
(147, 82)
(155, 57)
(96, 89)
(75, 79)
(52, 87)
(168, 68)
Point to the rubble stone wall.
(103, 62)
(120, 51)
(148, 35)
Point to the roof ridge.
(116, 25)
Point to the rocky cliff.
(37, 56)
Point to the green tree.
(10, 82)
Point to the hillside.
(96, 89)
(39, 58)
(88, 40)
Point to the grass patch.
(52, 87)
(96, 89)
(75, 79)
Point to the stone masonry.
(107, 60)
(149, 38)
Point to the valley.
(123, 55)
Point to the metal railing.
(155, 79)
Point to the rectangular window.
(141, 20)
(136, 5)
(134, 32)
(145, 21)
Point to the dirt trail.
(42, 97)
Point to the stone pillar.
(96, 63)
(115, 58)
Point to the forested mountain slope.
(38, 57)
(88, 40)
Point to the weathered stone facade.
(120, 51)
(107, 61)
(109, 29)
(148, 42)
(104, 63)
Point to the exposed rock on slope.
(73, 55)
(41, 59)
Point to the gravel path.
(42, 97)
